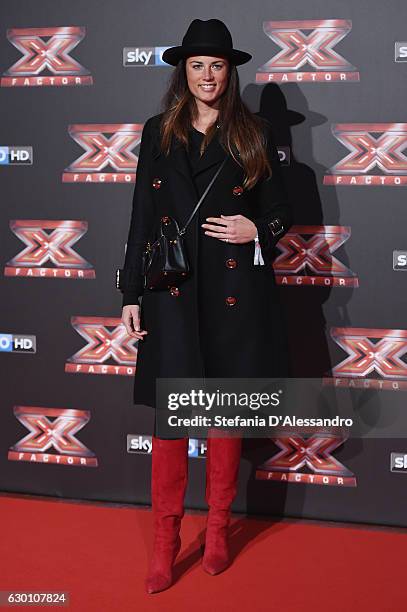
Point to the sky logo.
(143, 56)
(142, 443)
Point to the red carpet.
(98, 553)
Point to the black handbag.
(165, 262)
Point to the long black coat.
(197, 331)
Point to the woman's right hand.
(131, 321)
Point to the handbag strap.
(201, 199)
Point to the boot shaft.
(169, 479)
(222, 471)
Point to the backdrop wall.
(78, 82)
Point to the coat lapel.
(178, 159)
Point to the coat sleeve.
(273, 217)
(142, 218)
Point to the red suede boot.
(169, 479)
(222, 470)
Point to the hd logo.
(17, 343)
(139, 443)
(16, 156)
(143, 56)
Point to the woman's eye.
(217, 66)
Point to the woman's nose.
(208, 75)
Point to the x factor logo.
(51, 55)
(308, 42)
(308, 461)
(105, 144)
(375, 358)
(375, 154)
(58, 435)
(307, 257)
(106, 339)
(49, 241)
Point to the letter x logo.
(103, 344)
(384, 149)
(315, 48)
(58, 434)
(102, 150)
(39, 54)
(315, 252)
(43, 245)
(383, 356)
(315, 453)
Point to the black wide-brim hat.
(210, 37)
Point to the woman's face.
(207, 77)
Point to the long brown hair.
(241, 132)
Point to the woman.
(224, 319)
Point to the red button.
(238, 190)
(174, 291)
(231, 300)
(231, 263)
(157, 183)
(165, 220)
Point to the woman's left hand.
(231, 228)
